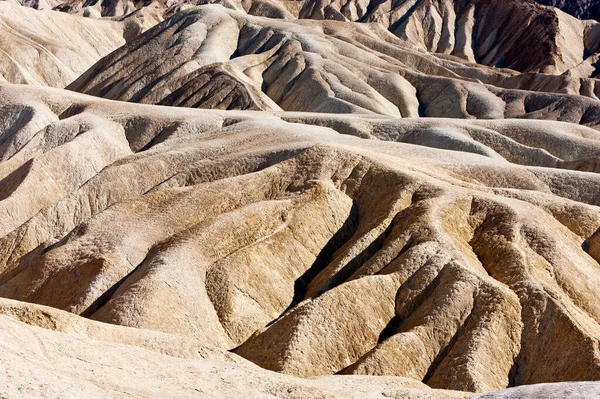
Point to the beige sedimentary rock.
(308, 233)
(540, 391)
(52, 353)
(460, 253)
(36, 4)
(50, 48)
(487, 32)
(213, 57)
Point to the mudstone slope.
(584, 9)
(486, 32)
(214, 57)
(49, 48)
(311, 244)
(286, 205)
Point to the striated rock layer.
(53, 353)
(213, 57)
(571, 390)
(583, 9)
(49, 48)
(460, 253)
(307, 232)
(492, 33)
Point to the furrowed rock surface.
(460, 253)
(110, 8)
(53, 353)
(583, 9)
(567, 390)
(486, 32)
(213, 57)
(50, 48)
(369, 202)
(36, 4)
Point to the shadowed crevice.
(108, 294)
(323, 259)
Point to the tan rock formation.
(316, 66)
(359, 209)
(95, 360)
(311, 244)
(540, 391)
(36, 4)
(487, 32)
(49, 48)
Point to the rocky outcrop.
(487, 32)
(352, 210)
(484, 32)
(102, 360)
(49, 48)
(331, 67)
(311, 244)
(582, 9)
(568, 390)
(112, 8)
(36, 4)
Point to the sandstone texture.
(480, 31)
(311, 244)
(583, 9)
(492, 33)
(53, 354)
(299, 199)
(36, 4)
(213, 57)
(571, 390)
(50, 48)
(486, 32)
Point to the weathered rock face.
(570, 390)
(465, 257)
(96, 360)
(486, 32)
(317, 66)
(36, 4)
(111, 8)
(583, 9)
(49, 48)
(308, 233)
